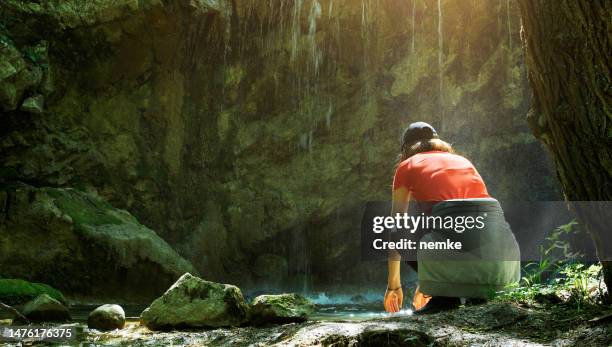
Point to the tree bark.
(568, 45)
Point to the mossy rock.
(17, 291)
(192, 302)
(91, 249)
(280, 309)
(46, 309)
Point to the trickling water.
(363, 18)
(440, 62)
(413, 24)
(303, 143)
(315, 14)
(310, 140)
(297, 12)
(328, 115)
(365, 31)
(509, 25)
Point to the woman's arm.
(394, 295)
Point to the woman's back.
(439, 176)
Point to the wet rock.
(192, 302)
(106, 317)
(33, 104)
(46, 309)
(18, 291)
(399, 337)
(280, 309)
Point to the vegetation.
(559, 277)
(17, 291)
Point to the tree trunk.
(568, 45)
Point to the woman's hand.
(394, 299)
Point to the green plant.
(581, 281)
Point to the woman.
(444, 183)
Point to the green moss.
(84, 209)
(17, 291)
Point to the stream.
(328, 308)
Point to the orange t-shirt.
(439, 176)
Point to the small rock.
(192, 302)
(547, 297)
(45, 309)
(107, 317)
(280, 309)
(33, 104)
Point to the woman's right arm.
(394, 294)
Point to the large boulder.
(106, 317)
(280, 309)
(18, 291)
(195, 303)
(45, 309)
(77, 242)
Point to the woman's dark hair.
(410, 149)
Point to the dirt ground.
(494, 324)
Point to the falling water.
(509, 25)
(363, 18)
(440, 62)
(413, 23)
(315, 14)
(366, 44)
(297, 9)
(328, 115)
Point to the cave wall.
(226, 126)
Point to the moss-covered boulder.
(195, 303)
(18, 291)
(280, 309)
(45, 309)
(77, 242)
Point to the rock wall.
(236, 128)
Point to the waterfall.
(413, 23)
(440, 62)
